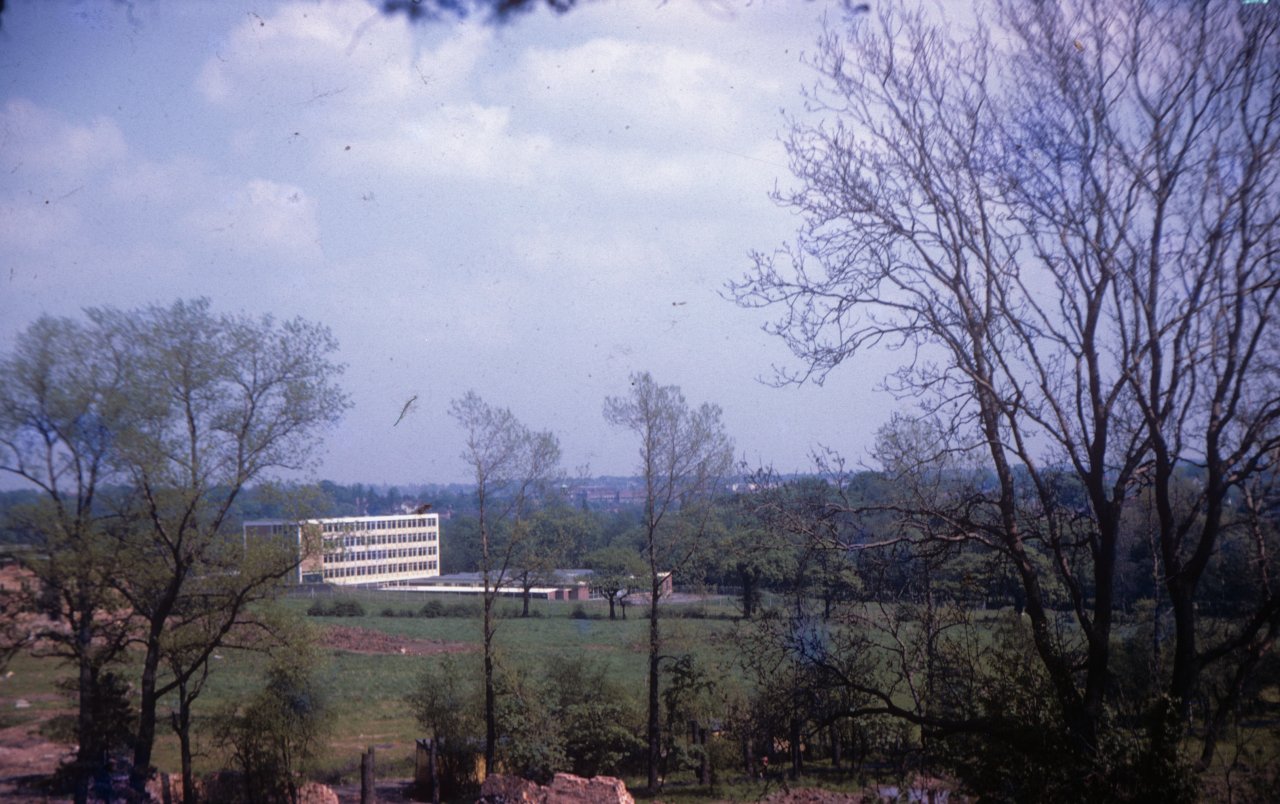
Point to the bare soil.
(364, 640)
(27, 759)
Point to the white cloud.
(464, 141)
(36, 141)
(308, 53)
(262, 219)
(658, 88)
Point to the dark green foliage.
(279, 732)
(531, 743)
(389, 611)
(436, 608)
(112, 718)
(1025, 753)
(595, 715)
(432, 608)
(336, 608)
(446, 702)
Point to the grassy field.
(367, 690)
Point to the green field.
(366, 691)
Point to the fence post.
(367, 793)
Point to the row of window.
(382, 524)
(354, 572)
(378, 555)
(336, 542)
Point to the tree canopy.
(1065, 215)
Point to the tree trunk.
(797, 763)
(146, 735)
(704, 761)
(435, 770)
(654, 726)
(89, 753)
(525, 611)
(611, 617)
(490, 710)
(747, 579)
(182, 725)
(835, 745)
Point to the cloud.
(307, 54)
(52, 165)
(659, 90)
(466, 141)
(35, 141)
(262, 219)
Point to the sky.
(532, 211)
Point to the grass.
(367, 691)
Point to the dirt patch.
(365, 640)
(26, 759)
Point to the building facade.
(360, 550)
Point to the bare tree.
(684, 453)
(512, 466)
(1067, 218)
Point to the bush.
(578, 613)
(461, 609)
(337, 608)
(280, 732)
(432, 608)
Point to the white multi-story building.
(364, 550)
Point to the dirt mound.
(365, 640)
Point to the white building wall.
(353, 550)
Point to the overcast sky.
(533, 211)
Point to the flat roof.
(367, 518)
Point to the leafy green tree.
(65, 396)
(276, 736)
(184, 644)
(220, 401)
(684, 453)
(750, 553)
(461, 551)
(616, 572)
(598, 718)
(443, 701)
(548, 538)
(512, 467)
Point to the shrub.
(348, 608)
(338, 608)
(432, 608)
(280, 732)
(319, 609)
(578, 613)
(461, 609)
